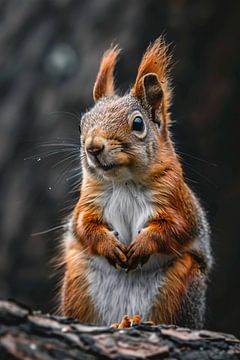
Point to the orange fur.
(92, 233)
(171, 295)
(173, 227)
(104, 85)
(76, 302)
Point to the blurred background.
(49, 58)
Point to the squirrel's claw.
(116, 263)
(133, 265)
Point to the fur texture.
(127, 209)
(139, 238)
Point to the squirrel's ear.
(152, 91)
(152, 85)
(104, 85)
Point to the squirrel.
(138, 241)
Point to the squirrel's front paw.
(114, 251)
(139, 252)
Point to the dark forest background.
(49, 57)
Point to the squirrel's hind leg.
(181, 301)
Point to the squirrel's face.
(119, 140)
(121, 137)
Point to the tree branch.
(27, 334)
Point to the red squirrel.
(138, 238)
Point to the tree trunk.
(26, 334)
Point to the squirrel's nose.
(95, 150)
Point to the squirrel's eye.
(138, 124)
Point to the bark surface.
(27, 334)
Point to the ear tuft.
(104, 85)
(153, 72)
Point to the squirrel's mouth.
(105, 167)
(108, 167)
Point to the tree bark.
(27, 334)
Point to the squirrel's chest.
(126, 209)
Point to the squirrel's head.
(122, 137)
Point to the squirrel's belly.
(116, 293)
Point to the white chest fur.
(116, 293)
(127, 208)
